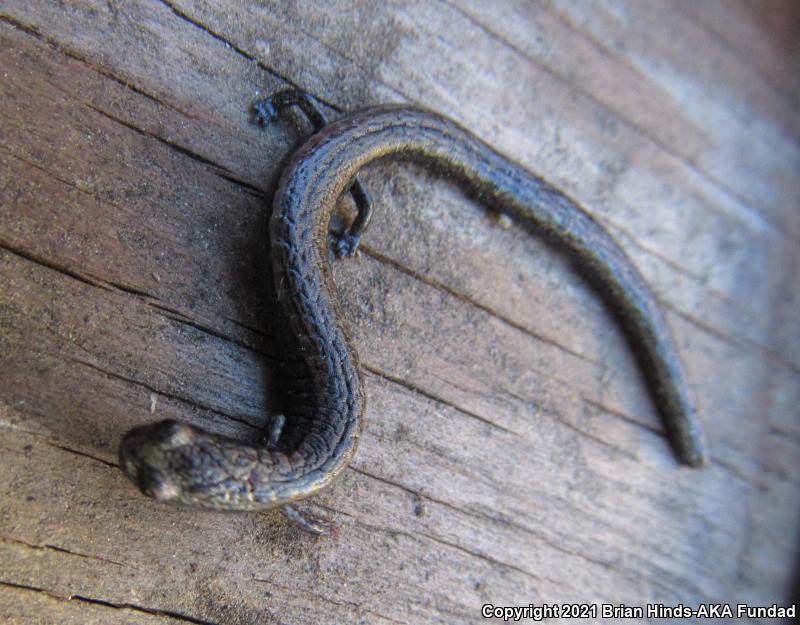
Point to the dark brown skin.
(174, 462)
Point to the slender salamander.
(172, 461)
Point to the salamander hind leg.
(311, 525)
(273, 432)
(305, 523)
(348, 241)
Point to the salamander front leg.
(267, 110)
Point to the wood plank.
(512, 454)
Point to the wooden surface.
(512, 454)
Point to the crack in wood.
(64, 181)
(250, 189)
(183, 319)
(500, 518)
(49, 264)
(615, 448)
(110, 604)
(224, 172)
(56, 46)
(433, 397)
(76, 452)
(624, 416)
(51, 443)
(422, 536)
(240, 51)
(161, 308)
(56, 548)
(742, 342)
(715, 459)
(184, 400)
(86, 278)
(462, 297)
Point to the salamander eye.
(174, 433)
(154, 484)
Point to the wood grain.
(512, 454)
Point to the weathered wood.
(512, 454)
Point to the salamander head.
(150, 455)
(181, 464)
